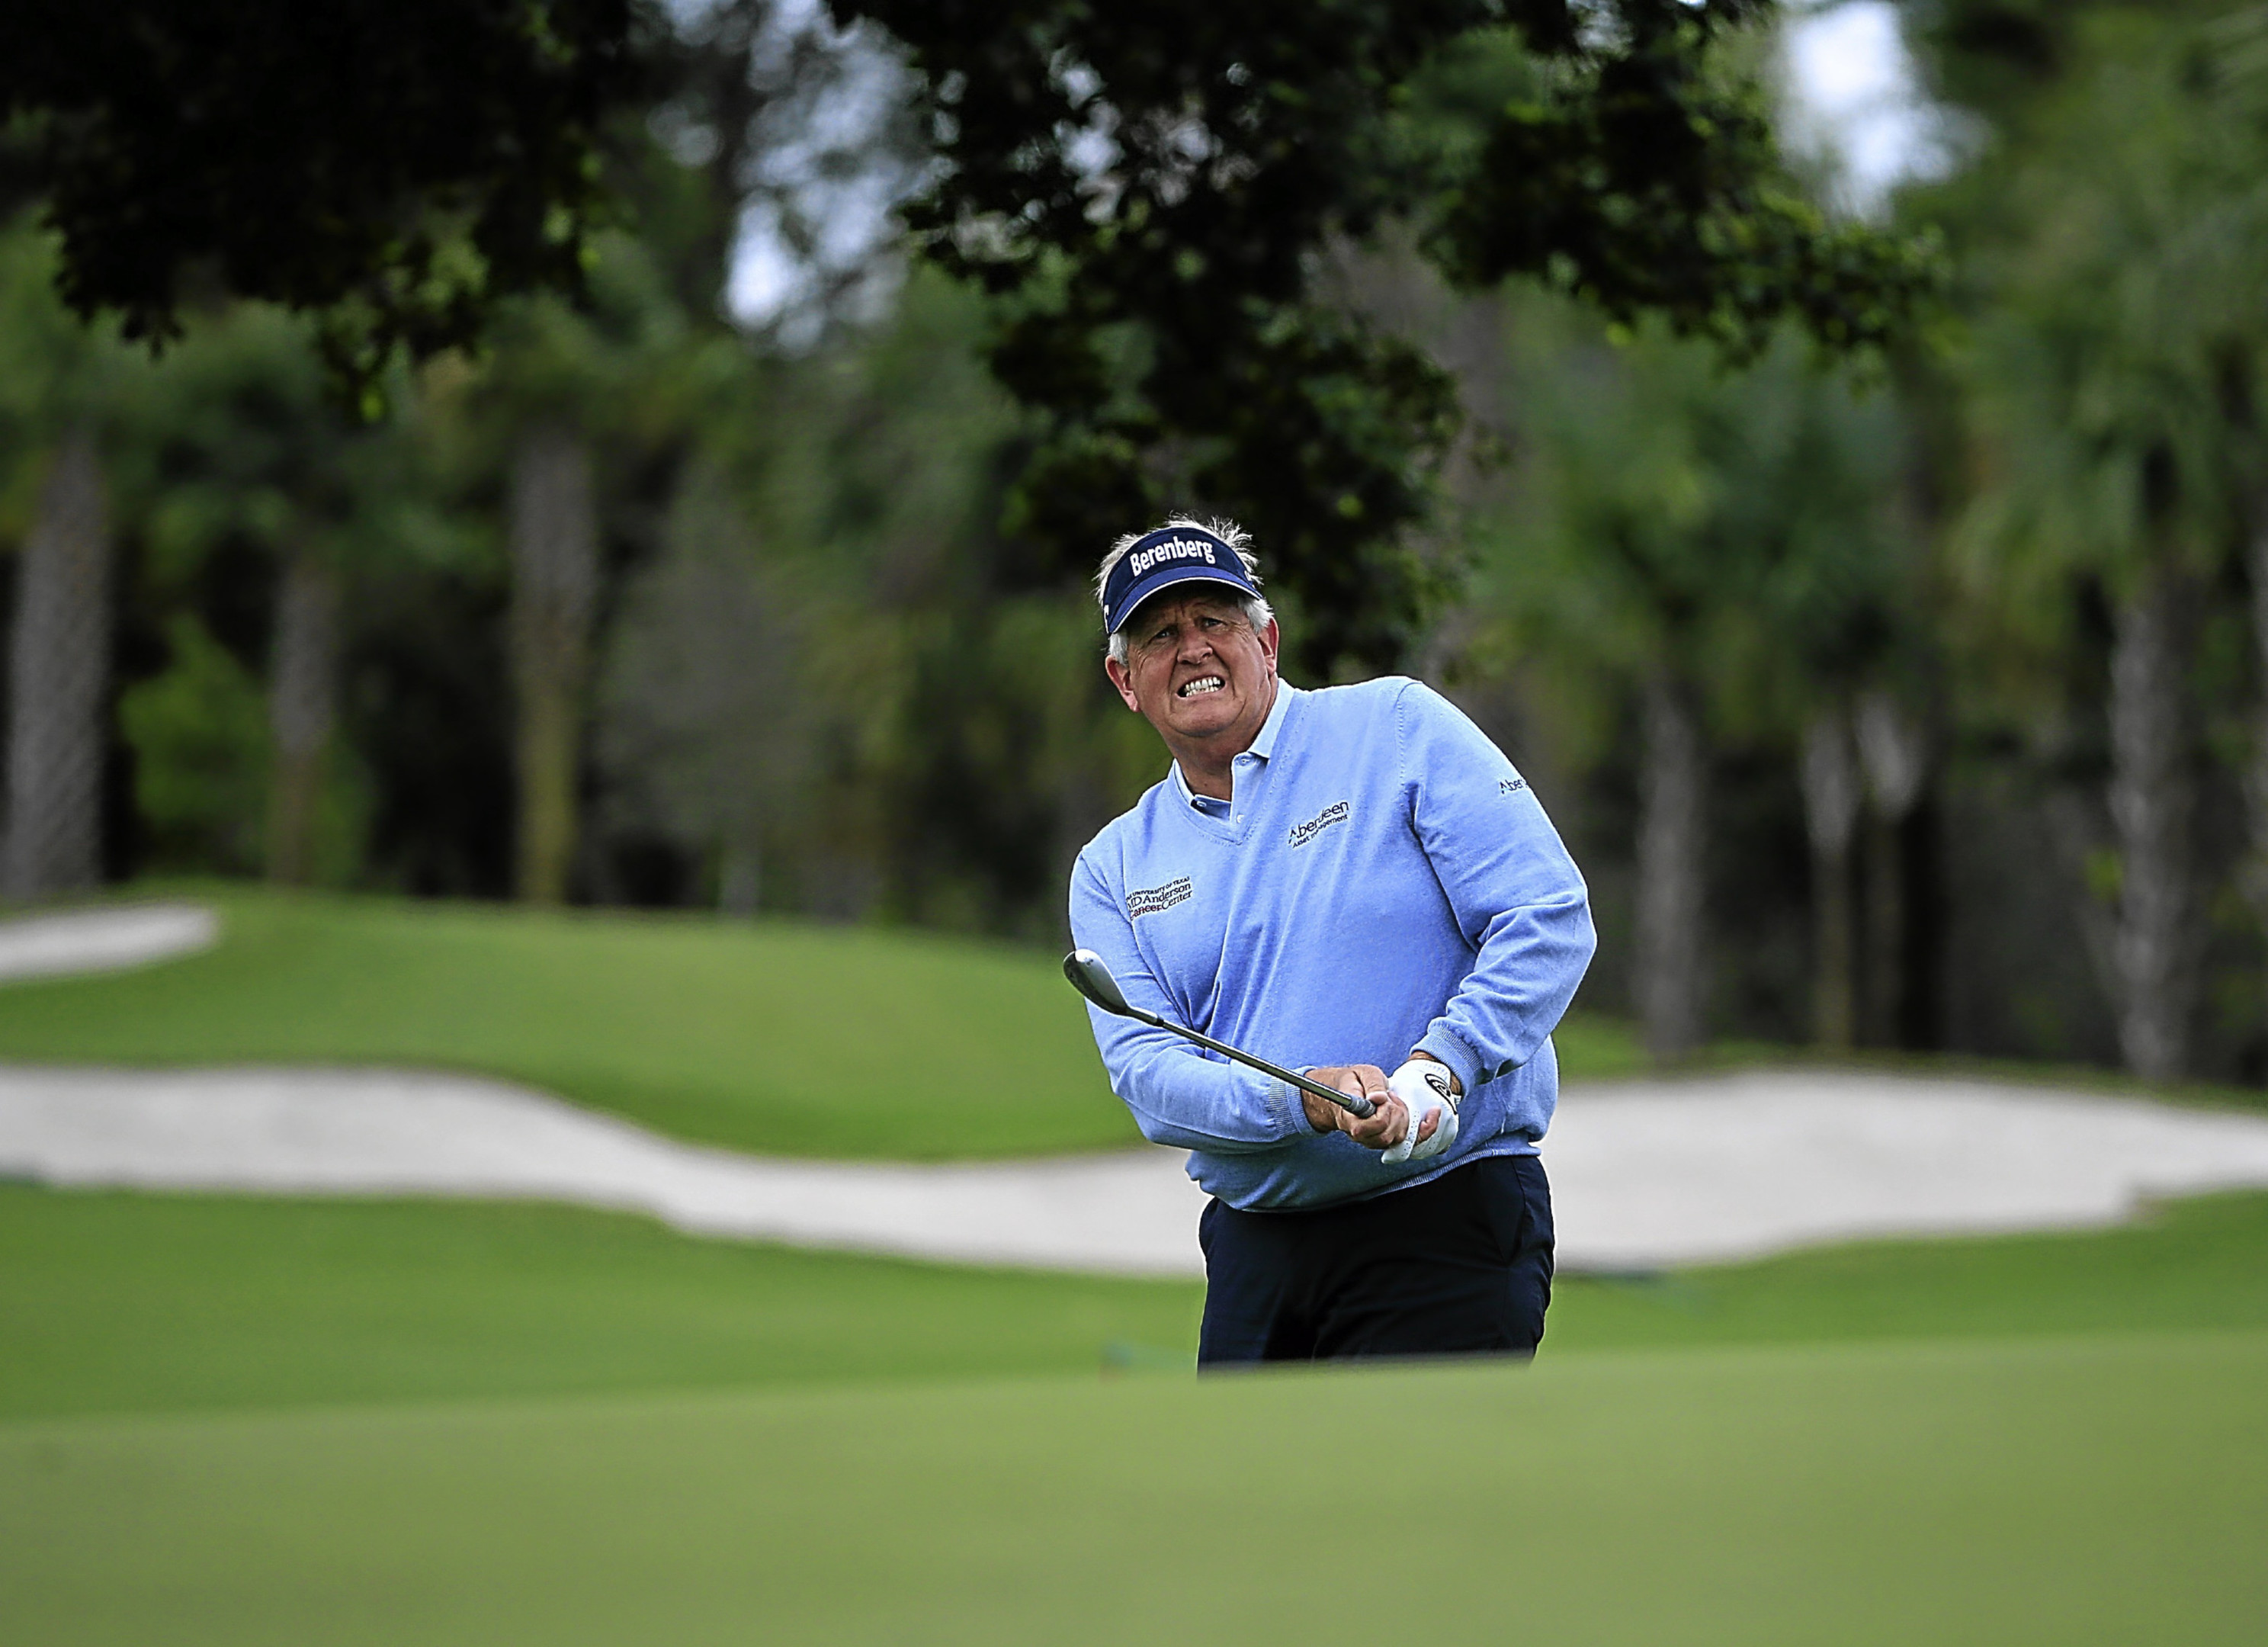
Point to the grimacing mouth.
(1202, 686)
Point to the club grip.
(1355, 1104)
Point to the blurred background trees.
(1894, 663)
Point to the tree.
(2119, 234)
(1602, 563)
(1717, 550)
(575, 421)
(240, 447)
(1148, 189)
(1894, 754)
(554, 586)
(59, 670)
(398, 168)
(1831, 797)
(58, 393)
(708, 705)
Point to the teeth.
(1203, 684)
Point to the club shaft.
(1362, 1108)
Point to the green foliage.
(199, 734)
(845, 669)
(397, 169)
(1742, 526)
(1653, 184)
(959, 741)
(55, 372)
(1149, 188)
(236, 443)
(2117, 368)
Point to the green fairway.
(241, 1420)
(773, 1036)
(124, 1302)
(2187, 1264)
(112, 1302)
(2054, 1491)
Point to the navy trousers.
(1458, 1267)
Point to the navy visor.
(1159, 559)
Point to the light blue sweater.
(1383, 880)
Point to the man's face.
(1197, 670)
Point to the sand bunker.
(1645, 1174)
(103, 940)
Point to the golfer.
(1345, 882)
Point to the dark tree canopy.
(1146, 187)
(395, 164)
(1149, 188)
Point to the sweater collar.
(1263, 746)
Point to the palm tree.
(1716, 546)
(243, 445)
(59, 670)
(554, 585)
(60, 390)
(1894, 755)
(2125, 298)
(625, 380)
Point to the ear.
(1123, 680)
(1271, 640)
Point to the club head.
(1092, 979)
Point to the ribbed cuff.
(1284, 1098)
(1463, 1063)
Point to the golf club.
(1091, 977)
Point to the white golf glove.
(1423, 1086)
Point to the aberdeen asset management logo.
(1335, 813)
(1150, 900)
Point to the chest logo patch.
(1150, 900)
(1335, 813)
(1510, 786)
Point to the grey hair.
(1255, 609)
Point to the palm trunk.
(302, 693)
(1895, 760)
(1670, 833)
(2150, 807)
(554, 584)
(60, 665)
(2254, 877)
(1831, 818)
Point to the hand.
(1386, 1128)
(1429, 1091)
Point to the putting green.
(2055, 1492)
(774, 1036)
(122, 1303)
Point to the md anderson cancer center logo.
(1171, 549)
(1149, 900)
